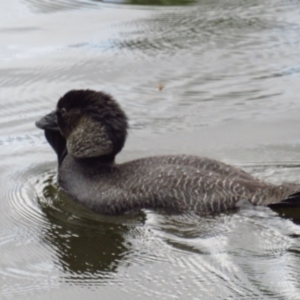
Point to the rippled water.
(212, 78)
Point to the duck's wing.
(202, 164)
(182, 188)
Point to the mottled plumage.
(89, 128)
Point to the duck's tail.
(292, 200)
(289, 207)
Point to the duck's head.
(92, 123)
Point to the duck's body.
(88, 173)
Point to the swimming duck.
(88, 129)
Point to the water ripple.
(50, 6)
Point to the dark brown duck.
(88, 129)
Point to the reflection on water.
(230, 72)
(87, 245)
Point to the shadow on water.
(87, 245)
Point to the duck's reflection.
(86, 244)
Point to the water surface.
(229, 74)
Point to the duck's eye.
(63, 111)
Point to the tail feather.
(291, 201)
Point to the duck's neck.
(104, 160)
(58, 143)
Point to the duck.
(89, 128)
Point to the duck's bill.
(48, 122)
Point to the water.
(212, 78)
